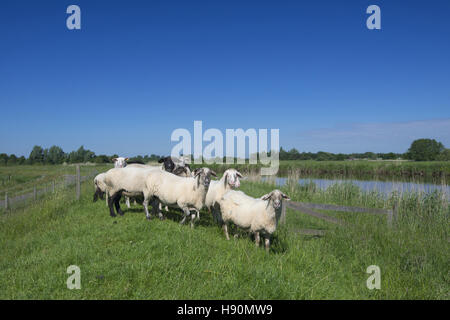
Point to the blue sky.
(137, 70)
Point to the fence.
(67, 181)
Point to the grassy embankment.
(129, 257)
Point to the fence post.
(6, 201)
(283, 213)
(34, 193)
(394, 212)
(389, 218)
(78, 187)
(53, 186)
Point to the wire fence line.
(38, 191)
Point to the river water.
(384, 187)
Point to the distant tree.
(12, 160)
(369, 155)
(55, 155)
(21, 160)
(36, 155)
(293, 154)
(444, 156)
(102, 159)
(283, 154)
(425, 150)
(89, 156)
(388, 156)
(3, 159)
(323, 156)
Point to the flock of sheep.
(174, 185)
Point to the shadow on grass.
(279, 240)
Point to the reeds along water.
(416, 203)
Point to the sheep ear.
(114, 159)
(239, 174)
(213, 173)
(161, 160)
(197, 171)
(266, 196)
(126, 159)
(178, 170)
(285, 197)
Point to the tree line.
(56, 155)
(420, 150)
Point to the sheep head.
(168, 164)
(182, 171)
(203, 176)
(275, 197)
(120, 162)
(232, 178)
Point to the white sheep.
(257, 215)
(128, 181)
(179, 168)
(100, 186)
(218, 188)
(144, 166)
(186, 193)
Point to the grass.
(131, 258)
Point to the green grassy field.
(131, 258)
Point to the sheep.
(128, 181)
(167, 165)
(100, 186)
(120, 162)
(258, 215)
(186, 193)
(218, 188)
(181, 169)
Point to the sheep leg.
(257, 239)
(225, 230)
(186, 214)
(192, 220)
(127, 201)
(110, 205)
(160, 214)
(145, 203)
(157, 205)
(267, 243)
(117, 204)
